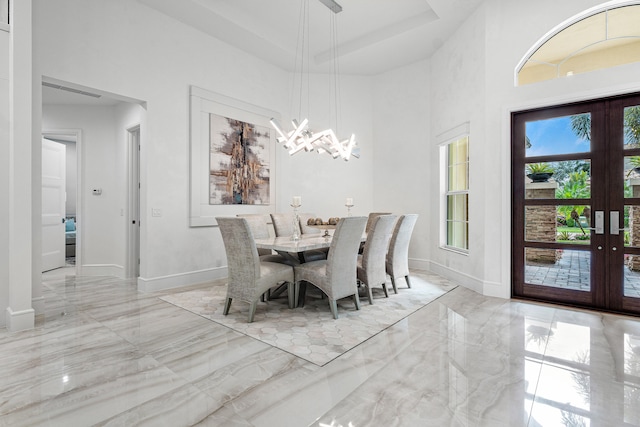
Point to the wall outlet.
(156, 212)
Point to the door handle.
(614, 222)
(599, 222)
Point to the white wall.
(20, 313)
(4, 173)
(154, 58)
(402, 155)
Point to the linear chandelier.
(301, 138)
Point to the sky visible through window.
(554, 136)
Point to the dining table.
(292, 248)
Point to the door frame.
(67, 134)
(132, 269)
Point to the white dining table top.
(286, 244)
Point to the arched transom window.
(606, 38)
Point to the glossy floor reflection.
(105, 354)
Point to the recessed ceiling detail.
(375, 35)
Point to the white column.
(20, 314)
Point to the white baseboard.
(496, 289)
(483, 287)
(463, 279)
(180, 279)
(101, 270)
(20, 320)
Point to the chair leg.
(333, 305)
(252, 310)
(356, 300)
(369, 294)
(384, 288)
(227, 306)
(291, 294)
(408, 281)
(301, 292)
(393, 283)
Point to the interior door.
(53, 204)
(572, 237)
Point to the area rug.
(311, 332)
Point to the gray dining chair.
(283, 224)
(371, 217)
(260, 230)
(398, 253)
(249, 276)
(371, 270)
(336, 276)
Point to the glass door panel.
(576, 232)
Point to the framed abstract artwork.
(239, 168)
(232, 158)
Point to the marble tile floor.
(105, 354)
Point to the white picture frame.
(203, 103)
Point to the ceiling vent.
(70, 89)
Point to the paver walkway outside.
(572, 271)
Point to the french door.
(576, 204)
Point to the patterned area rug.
(311, 332)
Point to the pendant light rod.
(332, 5)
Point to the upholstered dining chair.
(283, 224)
(398, 253)
(260, 230)
(249, 277)
(336, 276)
(371, 270)
(283, 227)
(371, 217)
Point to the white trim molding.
(181, 279)
(20, 320)
(456, 276)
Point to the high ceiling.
(373, 35)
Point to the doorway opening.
(576, 204)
